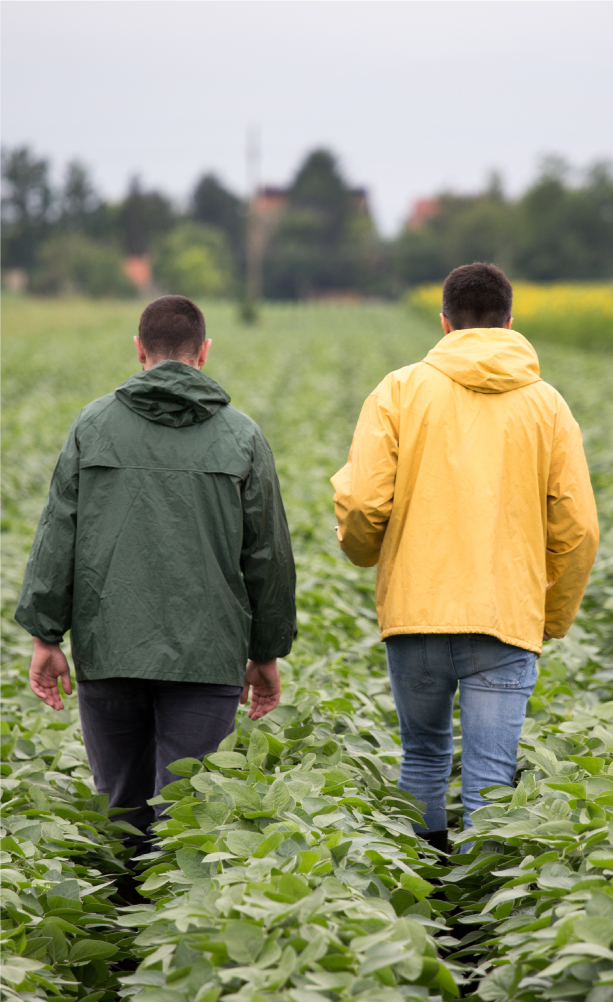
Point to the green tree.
(555, 231)
(215, 205)
(194, 260)
(79, 199)
(26, 206)
(142, 217)
(465, 228)
(566, 232)
(326, 239)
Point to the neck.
(150, 362)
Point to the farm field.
(288, 870)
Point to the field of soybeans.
(288, 869)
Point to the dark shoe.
(438, 840)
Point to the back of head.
(477, 295)
(172, 327)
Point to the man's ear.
(201, 360)
(509, 324)
(140, 350)
(447, 328)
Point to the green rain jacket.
(163, 544)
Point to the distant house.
(138, 271)
(423, 210)
(269, 201)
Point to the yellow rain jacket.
(467, 482)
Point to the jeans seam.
(451, 661)
(424, 660)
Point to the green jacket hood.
(172, 393)
(486, 359)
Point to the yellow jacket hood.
(486, 359)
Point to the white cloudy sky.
(413, 96)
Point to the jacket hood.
(486, 359)
(172, 393)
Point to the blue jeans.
(496, 680)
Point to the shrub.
(194, 260)
(71, 262)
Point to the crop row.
(287, 868)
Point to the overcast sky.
(412, 96)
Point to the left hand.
(263, 677)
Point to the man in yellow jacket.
(468, 484)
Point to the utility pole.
(254, 237)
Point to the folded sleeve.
(572, 525)
(364, 488)
(267, 561)
(45, 603)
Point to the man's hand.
(263, 676)
(47, 665)
(546, 636)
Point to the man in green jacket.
(163, 547)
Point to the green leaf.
(58, 948)
(601, 857)
(594, 929)
(229, 742)
(382, 955)
(244, 941)
(15, 969)
(177, 790)
(575, 789)
(67, 889)
(159, 995)
(258, 745)
(500, 985)
(226, 760)
(85, 950)
(243, 843)
(418, 887)
(245, 797)
(277, 797)
(445, 980)
(210, 816)
(269, 845)
(192, 863)
(338, 705)
(589, 763)
(334, 779)
(185, 767)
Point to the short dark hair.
(477, 295)
(172, 327)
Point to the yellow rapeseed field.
(568, 313)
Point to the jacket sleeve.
(572, 526)
(267, 561)
(45, 603)
(364, 488)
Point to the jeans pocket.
(502, 666)
(407, 662)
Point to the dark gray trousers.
(134, 727)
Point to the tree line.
(317, 236)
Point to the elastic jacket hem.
(222, 677)
(394, 631)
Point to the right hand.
(47, 665)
